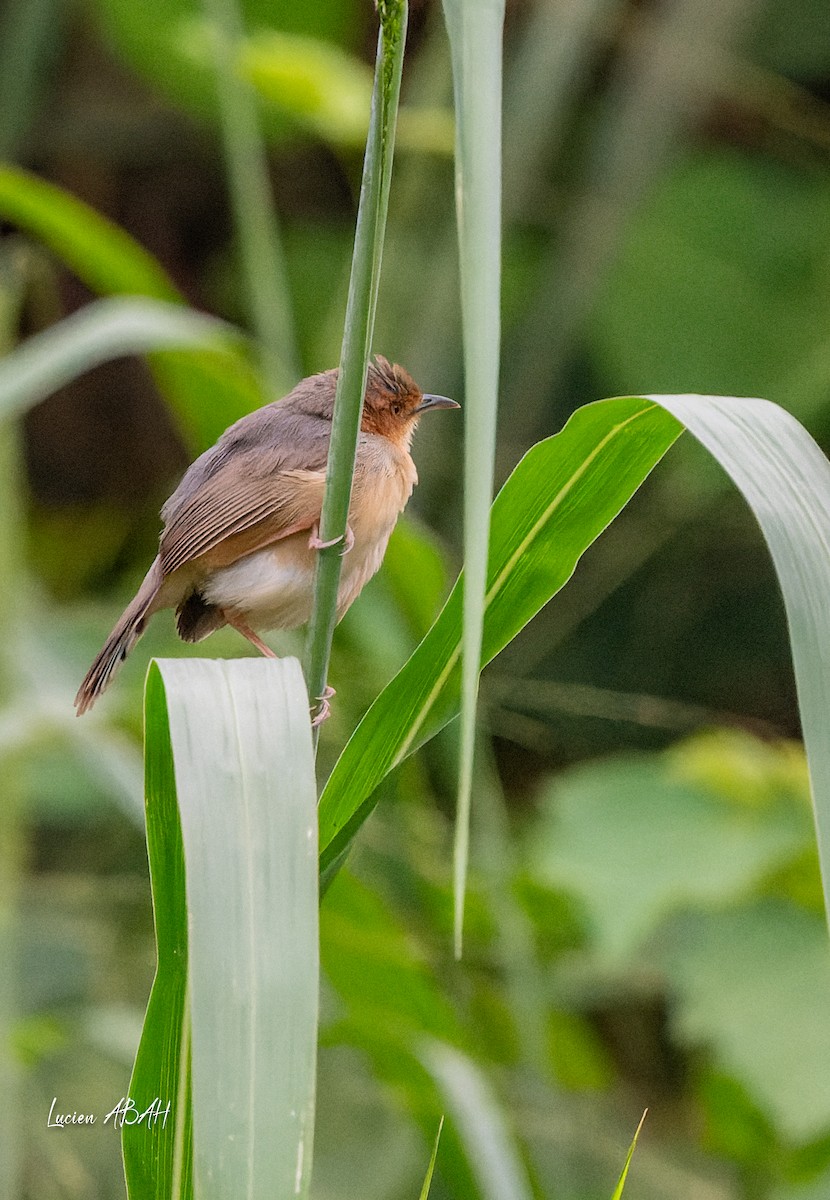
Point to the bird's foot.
(325, 708)
(242, 627)
(315, 542)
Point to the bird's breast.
(383, 482)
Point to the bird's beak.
(430, 402)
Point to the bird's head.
(394, 403)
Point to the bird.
(241, 532)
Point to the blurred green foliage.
(168, 50)
(657, 909)
(734, 247)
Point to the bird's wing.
(247, 504)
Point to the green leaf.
(416, 572)
(785, 479)
(431, 1167)
(161, 1164)
(208, 392)
(329, 92)
(476, 32)
(235, 897)
(630, 821)
(382, 978)
(162, 50)
(319, 84)
(747, 771)
(561, 496)
(104, 256)
(488, 1143)
(753, 985)
(104, 330)
(618, 1190)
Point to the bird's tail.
(121, 641)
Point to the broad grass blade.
(785, 479)
(560, 497)
(158, 1161)
(570, 487)
(475, 31)
(232, 840)
(488, 1143)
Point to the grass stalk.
(257, 230)
(476, 40)
(357, 335)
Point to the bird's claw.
(325, 707)
(316, 543)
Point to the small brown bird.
(241, 530)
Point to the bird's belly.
(274, 588)
(271, 588)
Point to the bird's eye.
(396, 408)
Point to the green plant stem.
(357, 336)
(257, 230)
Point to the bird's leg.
(325, 707)
(241, 627)
(315, 543)
(328, 692)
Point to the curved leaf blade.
(159, 1162)
(235, 894)
(103, 330)
(785, 479)
(782, 474)
(207, 391)
(320, 84)
(488, 1142)
(560, 497)
(99, 252)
